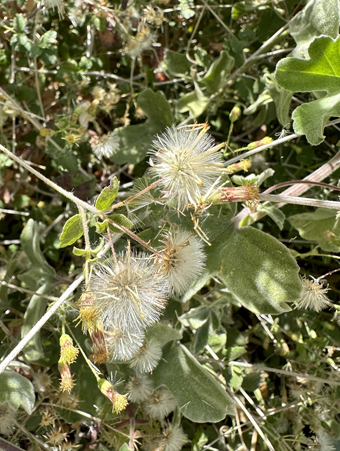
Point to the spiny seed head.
(160, 404)
(147, 357)
(130, 294)
(186, 162)
(313, 295)
(182, 259)
(140, 388)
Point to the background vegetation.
(250, 352)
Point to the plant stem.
(300, 201)
(76, 200)
(20, 346)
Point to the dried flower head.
(142, 41)
(313, 295)
(42, 382)
(7, 419)
(129, 295)
(147, 357)
(187, 163)
(105, 146)
(173, 439)
(140, 388)
(182, 259)
(160, 404)
(68, 400)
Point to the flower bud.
(235, 113)
(68, 353)
(262, 142)
(245, 193)
(243, 165)
(66, 383)
(119, 402)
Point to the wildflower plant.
(156, 294)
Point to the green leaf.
(321, 226)
(125, 447)
(274, 213)
(72, 231)
(29, 238)
(19, 23)
(108, 195)
(321, 72)
(196, 317)
(282, 99)
(134, 141)
(195, 102)
(176, 63)
(163, 334)
(34, 350)
(318, 17)
(258, 270)
(17, 391)
(217, 74)
(199, 396)
(121, 220)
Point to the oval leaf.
(108, 195)
(121, 220)
(258, 270)
(199, 396)
(72, 231)
(17, 391)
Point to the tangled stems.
(80, 203)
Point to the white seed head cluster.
(51, 4)
(7, 419)
(128, 296)
(182, 259)
(173, 438)
(160, 404)
(140, 388)
(147, 357)
(106, 146)
(187, 163)
(313, 295)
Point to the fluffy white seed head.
(160, 404)
(147, 357)
(182, 259)
(123, 345)
(106, 146)
(187, 163)
(313, 295)
(173, 438)
(129, 295)
(7, 419)
(51, 4)
(140, 388)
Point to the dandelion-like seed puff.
(187, 163)
(129, 295)
(313, 295)
(182, 259)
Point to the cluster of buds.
(68, 355)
